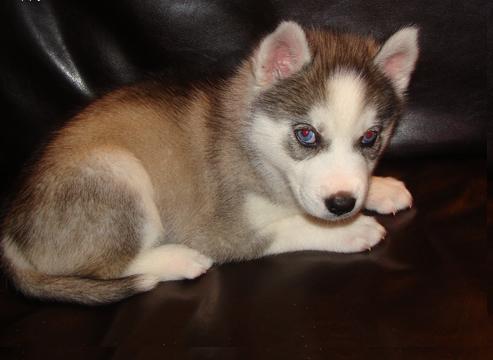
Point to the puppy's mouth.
(338, 207)
(325, 215)
(331, 219)
(336, 218)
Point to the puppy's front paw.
(388, 195)
(362, 234)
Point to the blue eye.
(369, 138)
(306, 136)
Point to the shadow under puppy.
(153, 183)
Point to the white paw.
(187, 263)
(362, 234)
(388, 195)
(170, 262)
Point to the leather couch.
(421, 294)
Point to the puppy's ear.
(397, 57)
(280, 54)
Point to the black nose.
(340, 203)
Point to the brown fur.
(191, 142)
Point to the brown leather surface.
(421, 294)
(62, 54)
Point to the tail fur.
(76, 289)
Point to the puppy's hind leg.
(165, 262)
(169, 262)
(91, 223)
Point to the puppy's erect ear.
(397, 57)
(280, 54)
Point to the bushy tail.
(76, 289)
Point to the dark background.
(57, 56)
(423, 294)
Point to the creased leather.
(421, 294)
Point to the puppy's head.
(324, 109)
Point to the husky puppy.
(154, 183)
